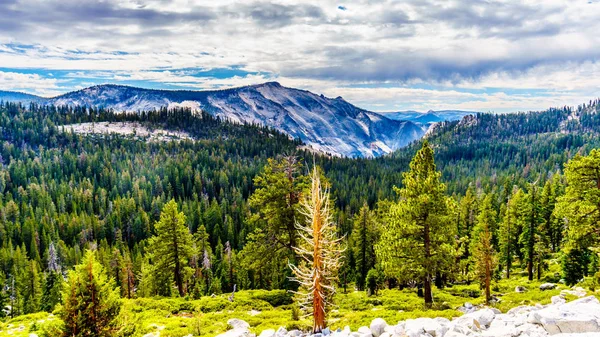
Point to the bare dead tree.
(320, 254)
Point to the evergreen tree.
(417, 241)
(509, 230)
(580, 206)
(530, 218)
(172, 246)
(484, 254)
(364, 237)
(91, 300)
(276, 201)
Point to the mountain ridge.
(330, 125)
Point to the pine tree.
(484, 254)
(276, 201)
(91, 300)
(530, 219)
(364, 236)
(417, 242)
(580, 205)
(172, 246)
(320, 252)
(509, 229)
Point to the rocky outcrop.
(579, 318)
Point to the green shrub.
(275, 298)
(50, 328)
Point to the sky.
(477, 55)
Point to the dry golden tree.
(320, 253)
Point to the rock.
(355, 334)
(547, 286)
(531, 330)
(267, 333)
(466, 308)
(520, 310)
(576, 291)
(454, 334)
(378, 326)
(281, 332)
(579, 316)
(418, 327)
(239, 329)
(236, 333)
(294, 333)
(481, 319)
(520, 289)
(153, 334)
(558, 300)
(326, 332)
(364, 331)
(235, 323)
(385, 334)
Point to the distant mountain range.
(429, 116)
(328, 125)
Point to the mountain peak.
(274, 84)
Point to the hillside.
(327, 125)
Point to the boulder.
(520, 289)
(418, 327)
(239, 329)
(531, 330)
(281, 332)
(378, 326)
(267, 333)
(480, 319)
(579, 316)
(576, 291)
(236, 333)
(365, 331)
(558, 300)
(454, 334)
(235, 323)
(547, 286)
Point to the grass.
(176, 317)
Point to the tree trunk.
(427, 280)
(427, 295)
(488, 277)
(318, 300)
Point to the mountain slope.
(328, 125)
(429, 116)
(19, 97)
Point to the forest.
(474, 203)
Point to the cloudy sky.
(480, 55)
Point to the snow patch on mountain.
(329, 125)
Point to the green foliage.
(171, 248)
(416, 242)
(364, 236)
(374, 281)
(91, 301)
(484, 252)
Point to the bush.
(374, 280)
(50, 328)
(275, 298)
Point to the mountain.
(328, 125)
(429, 116)
(19, 97)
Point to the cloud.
(445, 45)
